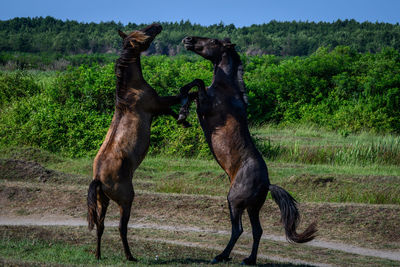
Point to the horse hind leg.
(102, 204)
(254, 215)
(125, 212)
(237, 230)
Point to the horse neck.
(228, 72)
(129, 74)
(225, 71)
(133, 71)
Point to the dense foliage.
(340, 89)
(278, 38)
(70, 111)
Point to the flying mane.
(121, 65)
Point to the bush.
(338, 89)
(16, 85)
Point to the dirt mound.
(16, 169)
(311, 180)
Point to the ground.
(43, 210)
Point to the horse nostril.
(187, 39)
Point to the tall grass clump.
(382, 151)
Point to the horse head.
(209, 48)
(215, 50)
(140, 40)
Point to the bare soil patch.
(24, 193)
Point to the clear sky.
(204, 12)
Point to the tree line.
(277, 38)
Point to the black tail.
(92, 203)
(290, 216)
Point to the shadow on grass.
(192, 261)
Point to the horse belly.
(250, 184)
(123, 150)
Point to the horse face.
(210, 49)
(140, 40)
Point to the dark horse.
(221, 109)
(128, 137)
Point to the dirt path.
(68, 221)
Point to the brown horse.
(128, 137)
(221, 109)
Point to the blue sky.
(205, 12)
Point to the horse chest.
(133, 136)
(226, 146)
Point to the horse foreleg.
(204, 105)
(187, 98)
(183, 98)
(184, 123)
(184, 111)
(102, 204)
(237, 230)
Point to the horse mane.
(139, 37)
(242, 86)
(122, 64)
(239, 75)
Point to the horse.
(127, 140)
(221, 110)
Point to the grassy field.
(354, 202)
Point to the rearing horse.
(221, 109)
(128, 137)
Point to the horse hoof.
(248, 261)
(131, 258)
(219, 259)
(214, 261)
(181, 118)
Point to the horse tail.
(92, 216)
(290, 216)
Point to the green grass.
(37, 251)
(359, 180)
(309, 144)
(75, 247)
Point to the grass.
(373, 184)
(361, 177)
(317, 146)
(65, 187)
(65, 246)
(73, 246)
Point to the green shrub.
(16, 85)
(338, 90)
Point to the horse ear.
(122, 34)
(227, 43)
